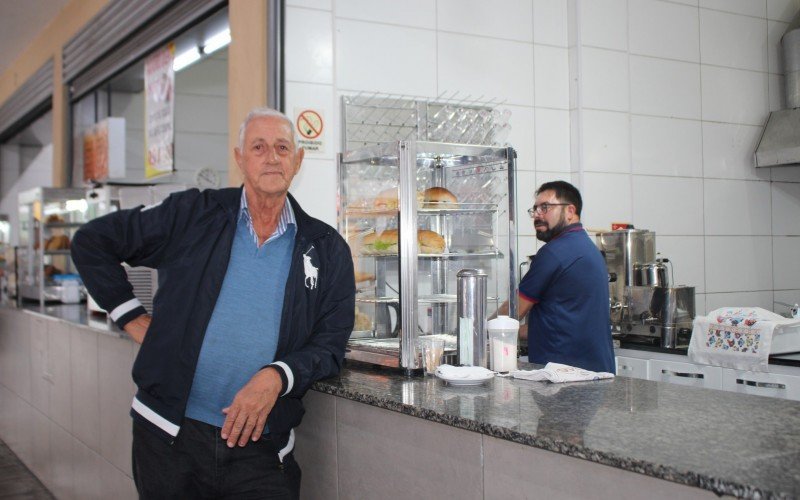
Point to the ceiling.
(20, 22)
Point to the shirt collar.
(286, 218)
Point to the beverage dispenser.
(645, 305)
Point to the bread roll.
(430, 242)
(438, 197)
(387, 199)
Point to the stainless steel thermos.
(472, 337)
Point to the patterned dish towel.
(558, 373)
(736, 337)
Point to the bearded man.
(565, 291)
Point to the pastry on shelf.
(59, 242)
(438, 197)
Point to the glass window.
(201, 154)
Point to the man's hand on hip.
(247, 415)
(137, 328)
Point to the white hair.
(263, 112)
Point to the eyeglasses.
(544, 207)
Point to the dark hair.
(565, 192)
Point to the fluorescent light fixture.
(185, 59)
(216, 42)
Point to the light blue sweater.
(242, 335)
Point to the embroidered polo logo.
(311, 271)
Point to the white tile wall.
(665, 88)
(477, 17)
(738, 299)
(523, 136)
(309, 46)
(552, 140)
(734, 95)
(738, 263)
(787, 296)
(319, 203)
(786, 262)
(605, 79)
(737, 207)
(757, 8)
(606, 199)
(416, 13)
(785, 203)
(385, 58)
(782, 10)
(606, 141)
(550, 22)
(732, 40)
(604, 23)
(312, 4)
(728, 151)
(663, 29)
(668, 205)
(551, 77)
(686, 253)
(666, 146)
(479, 67)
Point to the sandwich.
(438, 197)
(430, 241)
(386, 243)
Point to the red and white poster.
(159, 109)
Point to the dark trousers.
(199, 464)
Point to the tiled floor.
(16, 481)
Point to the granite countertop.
(728, 443)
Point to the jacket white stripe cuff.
(288, 448)
(124, 308)
(154, 418)
(289, 376)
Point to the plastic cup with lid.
(503, 333)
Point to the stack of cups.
(503, 333)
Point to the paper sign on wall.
(309, 124)
(159, 110)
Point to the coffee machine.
(645, 305)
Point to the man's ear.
(237, 155)
(572, 211)
(299, 159)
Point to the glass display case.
(48, 219)
(457, 202)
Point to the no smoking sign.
(309, 124)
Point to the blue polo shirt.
(569, 322)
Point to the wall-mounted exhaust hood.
(780, 142)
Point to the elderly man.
(565, 292)
(255, 303)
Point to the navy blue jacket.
(188, 238)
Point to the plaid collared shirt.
(287, 217)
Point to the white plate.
(467, 381)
